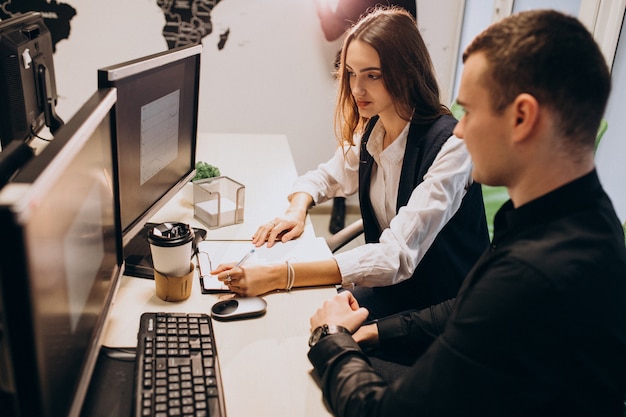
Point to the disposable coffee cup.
(171, 248)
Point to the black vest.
(459, 244)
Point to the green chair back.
(493, 198)
(457, 111)
(604, 125)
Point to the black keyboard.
(177, 369)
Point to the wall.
(272, 76)
(102, 34)
(440, 24)
(612, 148)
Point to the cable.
(32, 132)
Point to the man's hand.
(342, 310)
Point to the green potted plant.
(203, 171)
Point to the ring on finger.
(228, 278)
(273, 224)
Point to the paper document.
(212, 253)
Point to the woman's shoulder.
(439, 129)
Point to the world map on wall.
(186, 21)
(189, 21)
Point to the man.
(539, 326)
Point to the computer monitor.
(59, 266)
(156, 124)
(27, 81)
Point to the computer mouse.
(238, 308)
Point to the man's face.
(485, 132)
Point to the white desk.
(263, 361)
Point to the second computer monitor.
(156, 125)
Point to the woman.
(423, 216)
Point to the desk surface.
(263, 360)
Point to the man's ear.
(526, 113)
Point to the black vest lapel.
(423, 144)
(372, 228)
(413, 153)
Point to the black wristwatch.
(325, 330)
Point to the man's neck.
(543, 180)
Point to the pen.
(245, 258)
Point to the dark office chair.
(345, 235)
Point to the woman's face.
(366, 81)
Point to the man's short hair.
(554, 58)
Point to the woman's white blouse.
(406, 236)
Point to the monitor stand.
(137, 256)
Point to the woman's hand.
(289, 227)
(252, 280)
(279, 229)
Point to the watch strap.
(324, 330)
(334, 329)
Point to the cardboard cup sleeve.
(174, 288)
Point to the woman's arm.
(254, 280)
(337, 177)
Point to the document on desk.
(212, 253)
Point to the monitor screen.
(27, 81)
(60, 266)
(156, 124)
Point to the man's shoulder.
(580, 255)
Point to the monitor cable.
(53, 121)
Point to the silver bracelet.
(291, 276)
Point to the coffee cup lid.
(170, 234)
